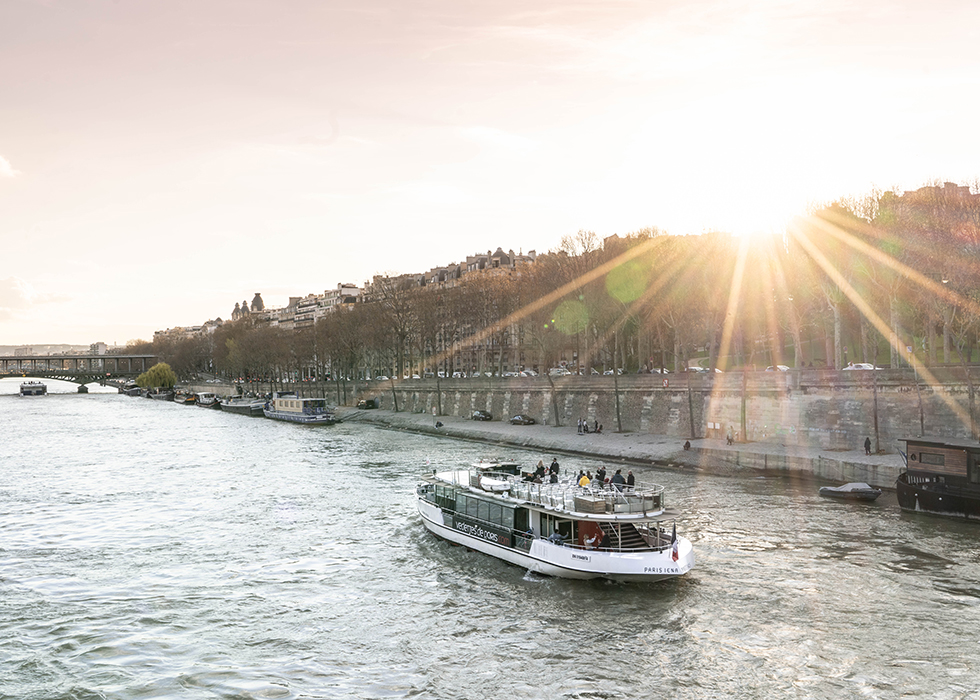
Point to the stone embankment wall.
(831, 410)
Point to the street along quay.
(649, 449)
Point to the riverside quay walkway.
(80, 369)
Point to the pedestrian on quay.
(867, 445)
(579, 426)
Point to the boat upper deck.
(641, 501)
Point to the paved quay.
(650, 449)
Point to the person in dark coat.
(617, 480)
(867, 445)
(630, 480)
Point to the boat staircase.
(631, 538)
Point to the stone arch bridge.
(80, 369)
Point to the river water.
(149, 550)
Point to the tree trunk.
(895, 358)
(838, 341)
(744, 423)
(394, 394)
(874, 385)
(690, 405)
(800, 359)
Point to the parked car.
(777, 368)
(558, 372)
(861, 365)
(367, 403)
(610, 372)
(481, 415)
(381, 378)
(522, 419)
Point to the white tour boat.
(33, 388)
(299, 410)
(559, 529)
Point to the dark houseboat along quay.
(942, 477)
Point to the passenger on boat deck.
(630, 479)
(556, 537)
(584, 480)
(601, 474)
(539, 471)
(604, 543)
(617, 480)
(554, 466)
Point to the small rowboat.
(855, 491)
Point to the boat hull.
(35, 389)
(302, 418)
(865, 496)
(935, 499)
(561, 561)
(245, 409)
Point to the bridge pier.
(82, 389)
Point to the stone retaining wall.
(825, 409)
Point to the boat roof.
(942, 442)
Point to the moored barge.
(942, 477)
(558, 529)
(309, 411)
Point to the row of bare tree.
(890, 280)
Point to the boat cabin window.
(521, 520)
(496, 513)
(932, 458)
(550, 523)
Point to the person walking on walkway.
(867, 445)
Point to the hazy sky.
(160, 161)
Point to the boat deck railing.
(567, 495)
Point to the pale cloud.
(498, 138)
(440, 193)
(17, 295)
(6, 169)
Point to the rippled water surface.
(149, 550)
